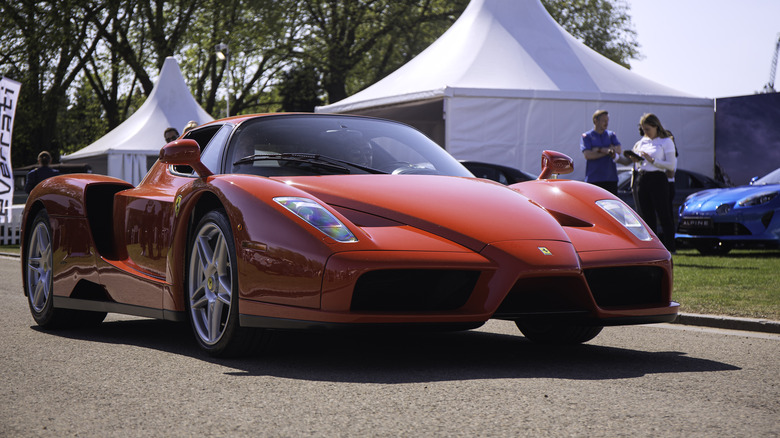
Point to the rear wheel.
(212, 290)
(39, 282)
(558, 334)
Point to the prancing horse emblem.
(176, 206)
(544, 250)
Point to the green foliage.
(353, 43)
(300, 90)
(603, 25)
(82, 123)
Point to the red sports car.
(255, 223)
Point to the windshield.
(264, 146)
(770, 178)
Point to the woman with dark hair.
(655, 154)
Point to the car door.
(147, 211)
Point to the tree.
(51, 43)
(345, 34)
(603, 25)
(261, 37)
(300, 90)
(82, 122)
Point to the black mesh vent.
(545, 295)
(404, 290)
(626, 286)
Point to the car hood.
(468, 211)
(710, 200)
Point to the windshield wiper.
(334, 164)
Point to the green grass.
(11, 249)
(743, 283)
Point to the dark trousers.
(653, 194)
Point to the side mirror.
(184, 152)
(555, 163)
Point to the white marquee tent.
(506, 82)
(127, 151)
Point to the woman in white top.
(656, 155)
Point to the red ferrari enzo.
(255, 223)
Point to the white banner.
(9, 95)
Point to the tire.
(556, 334)
(714, 249)
(212, 290)
(39, 284)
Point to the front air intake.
(413, 290)
(626, 286)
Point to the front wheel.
(714, 249)
(212, 290)
(558, 334)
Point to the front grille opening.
(626, 286)
(413, 290)
(545, 295)
(716, 229)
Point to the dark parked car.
(686, 183)
(496, 172)
(20, 177)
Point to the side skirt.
(111, 307)
(296, 324)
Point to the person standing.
(41, 172)
(170, 134)
(191, 124)
(656, 155)
(601, 148)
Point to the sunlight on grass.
(743, 283)
(10, 249)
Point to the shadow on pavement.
(393, 357)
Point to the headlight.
(623, 214)
(758, 199)
(318, 217)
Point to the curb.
(729, 322)
(714, 321)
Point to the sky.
(707, 48)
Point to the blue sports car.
(715, 221)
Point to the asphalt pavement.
(694, 319)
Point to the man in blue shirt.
(601, 148)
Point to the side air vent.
(100, 213)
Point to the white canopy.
(506, 82)
(127, 151)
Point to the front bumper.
(508, 280)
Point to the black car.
(496, 172)
(685, 183)
(20, 177)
